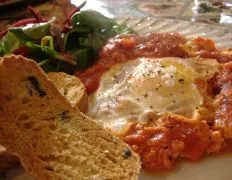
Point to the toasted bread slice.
(52, 139)
(70, 87)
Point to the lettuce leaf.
(9, 44)
(32, 32)
(64, 51)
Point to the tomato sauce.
(91, 77)
(126, 47)
(175, 137)
(221, 57)
(223, 117)
(160, 146)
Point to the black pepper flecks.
(35, 84)
(127, 153)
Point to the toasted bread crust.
(72, 88)
(52, 139)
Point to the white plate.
(211, 168)
(222, 35)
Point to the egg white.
(144, 88)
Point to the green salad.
(69, 50)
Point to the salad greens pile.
(67, 51)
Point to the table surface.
(208, 11)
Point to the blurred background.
(207, 11)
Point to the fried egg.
(139, 89)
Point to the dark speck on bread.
(64, 115)
(35, 84)
(127, 153)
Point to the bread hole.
(23, 117)
(49, 168)
(47, 157)
(29, 125)
(63, 131)
(65, 91)
(42, 158)
(37, 129)
(84, 130)
(52, 127)
(29, 169)
(9, 97)
(25, 100)
(103, 161)
(65, 145)
(34, 145)
(49, 118)
(111, 158)
(42, 105)
(30, 105)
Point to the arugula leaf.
(49, 58)
(32, 31)
(82, 58)
(92, 19)
(68, 52)
(84, 47)
(90, 32)
(36, 52)
(19, 36)
(37, 31)
(9, 43)
(98, 39)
